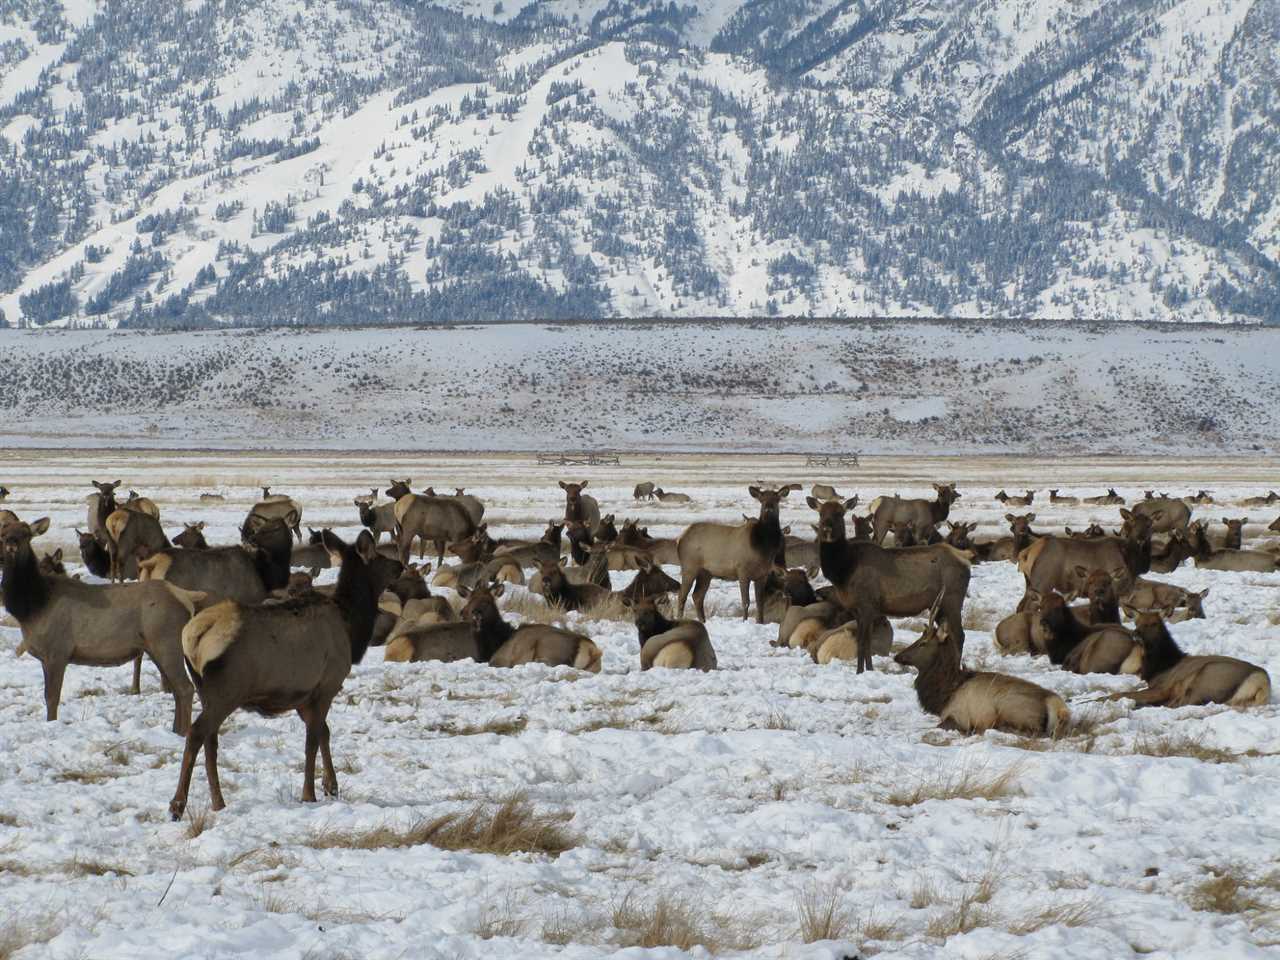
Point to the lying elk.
(1106, 648)
(4, 494)
(1088, 533)
(662, 549)
(379, 519)
(580, 506)
(1234, 539)
(1274, 525)
(192, 537)
(744, 552)
(872, 582)
(502, 645)
(675, 644)
(1241, 561)
(671, 497)
(245, 573)
(211, 498)
(973, 702)
(531, 555)
(1177, 549)
(277, 506)
(280, 657)
(559, 592)
(1266, 501)
(1008, 548)
(1057, 501)
(1050, 562)
(886, 511)
(437, 519)
(643, 491)
(1179, 603)
(1166, 513)
(1201, 498)
(1023, 501)
(1108, 499)
(65, 621)
(1175, 679)
(649, 581)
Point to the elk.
(1255, 561)
(824, 491)
(93, 554)
(643, 491)
(1023, 501)
(904, 533)
(1108, 648)
(245, 573)
(370, 498)
(379, 519)
(278, 506)
(1008, 548)
(1274, 525)
(275, 658)
(479, 546)
(649, 581)
(192, 537)
(1057, 501)
(840, 642)
(1108, 499)
(1175, 679)
(671, 497)
(872, 582)
(581, 507)
(580, 540)
(1266, 501)
(137, 502)
(439, 519)
(674, 644)
(1050, 562)
(1176, 550)
(1013, 633)
(473, 505)
(1178, 602)
(530, 555)
(101, 505)
(528, 643)
(1088, 533)
(885, 511)
(211, 498)
(958, 534)
(128, 533)
(65, 621)
(663, 551)
(1202, 497)
(1234, 538)
(559, 591)
(1166, 513)
(744, 552)
(4, 494)
(974, 702)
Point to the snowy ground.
(737, 796)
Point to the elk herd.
(244, 626)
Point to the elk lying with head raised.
(65, 621)
(886, 511)
(1234, 538)
(280, 657)
(1175, 679)
(674, 644)
(744, 552)
(1008, 548)
(649, 581)
(532, 554)
(1178, 603)
(1251, 561)
(1023, 501)
(560, 592)
(1271, 498)
(1108, 499)
(1201, 498)
(663, 550)
(192, 537)
(872, 582)
(1108, 648)
(665, 496)
(528, 643)
(1058, 501)
(974, 702)
(277, 506)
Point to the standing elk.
(580, 506)
(473, 505)
(246, 573)
(379, 519)
(1050, 562)
(1166, 513)
(141, 504)
(872, 582)
(274, 658)
(130, 533)
(744, 552)
(1175, 679)
(65, 621)
(674, 644)
(973, 702)
(825, 491)
(643, 491)
(436, 519)
(277, 506)
(886, 511)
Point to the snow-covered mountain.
(298, 161)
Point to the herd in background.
(245, 626)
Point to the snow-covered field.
(732, 800)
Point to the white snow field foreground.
(741, 812)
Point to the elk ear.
(463, 590)
(583, 484)
(851, 502)
(57, 555)
(816, 528)
(498, 589)
(812, 502)
(754, 491)
(1031, 518)
(1068, 531)
(38, 527)
(366, 546)
(563, 485)
(332, 542)
(787, 488)
(1243, 521)
(1126, 514)
(1010, 517)
(200, 525)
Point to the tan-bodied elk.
(675, 644)
(275, 658)
(65, 621)
(972, 702)
(277, 506)
(872, 582)
(927, 514)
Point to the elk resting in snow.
(671, 497)
(824, 491)
(1175, 679)
(886, 511)
(743, 552)
(1050, 563)
(558, 591)
(872, 582)
(1108, 499)
(1058, 501)
(65, 621)
(192, 537)
(675, 644)
(505, 646)
(973, 702)
(274, 658)
(1107, 648)
(1023, 501)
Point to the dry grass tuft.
(610, 608)
(532, 608)
(822, 914)
(1227, 891)
(85, 776)
(18, 932)
(963, 781)
(963, 914)
(501, 918)
(1178, 745)
(513, 827)
(8, 820)
(777, 720)
(663, 921)
(95, 868)
(198, 821)
(1080, 913)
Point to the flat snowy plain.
(733, 798)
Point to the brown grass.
(662, 921)
(96, 868)
(513, 827)
(198, 821)
(1227, 891)
(534, 609)
(822, 914)
(962, 781)
(85, 776)
(8, 820)
(17, 932)
(501, 917)
(1178, 745)
(1079, 913)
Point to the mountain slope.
(279, 161)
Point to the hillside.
(389, 161)
(913, 387)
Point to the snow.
(739, 793)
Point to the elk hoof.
(176, 809)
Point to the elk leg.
(439, 554)
(687, 577)
(700, 586)
(744, 588)
(136, 689)
(53, 672)
(211, 771)
(330, 777)
(866, 620)
(197, 737)
(172, 674)
(307, 713)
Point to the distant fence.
(831, 460)
(580, 459)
